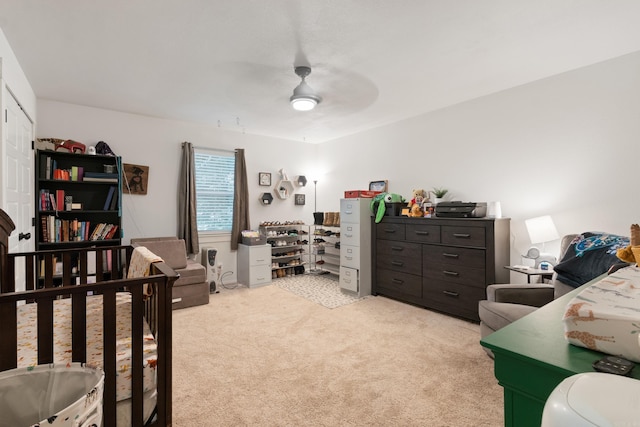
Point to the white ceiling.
(230, 62)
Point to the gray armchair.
(506, 303)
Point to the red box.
(352, 194)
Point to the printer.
(458, 209)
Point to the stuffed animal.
(632, 252)
(378, 203)
(418, 196)
(416, 211)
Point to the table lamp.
(541, 230)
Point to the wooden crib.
(45, 278)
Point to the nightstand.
(545, 274)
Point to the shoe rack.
(289, 241)
(325, 247)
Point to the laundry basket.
(52, 395)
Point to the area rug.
(324, 290)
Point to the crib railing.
(45, 284)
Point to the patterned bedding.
(606, 315)
(28, 334)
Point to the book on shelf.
(91, 179)
(77, 173)
(114, 202)
(107, 202)
(60, 200)
(100, 175)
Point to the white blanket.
(606, 315)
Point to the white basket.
(55, 395)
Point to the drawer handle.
(451, 294)
(447, 255)
(422, 233)
(397, 281)
(451, 273)
(462, 235)
(397, 263)
(259, 260)
(389, 230)
(397, 248)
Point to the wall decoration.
(299, 199)
(264, 178)
(266, 198)
(135, 178)
(381, 185)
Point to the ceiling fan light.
(304, 98)
(303, 104)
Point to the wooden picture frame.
(264, 179)
(300, 199)
(135, 178)
(381, 185)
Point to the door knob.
(25, 236)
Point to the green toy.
(381, 200)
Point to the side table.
(545, 274)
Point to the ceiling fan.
(304, 98)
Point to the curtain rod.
(213, 149)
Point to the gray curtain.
(187, 222)
(240, 201)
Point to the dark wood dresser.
(440, 264)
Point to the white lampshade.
(541, 229)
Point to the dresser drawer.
(434, 257)
(399, 283)
(260, 274)
(349, 234)
(456, 274)
(260, 255)
(463, 236)
(349, 279)
(399, 256)
(390, 231)
(350, 211)
(349, 256)
(453, 298)
(423, 233)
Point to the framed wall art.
(264, 179)
(381, 185)
(136, 178)
(300, 199)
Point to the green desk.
(532, 357)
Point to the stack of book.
(100, 177)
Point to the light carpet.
(323, 290)
(266, 357)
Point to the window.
(215, 171)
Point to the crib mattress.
(28, 334)
(606, 315)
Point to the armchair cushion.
(534, 294)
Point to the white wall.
(14, 78)
(566, 146)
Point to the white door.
(17, 179)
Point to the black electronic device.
(458, 209)
(613, 365)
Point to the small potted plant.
(438, 194)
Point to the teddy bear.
(632, 252)
(418, 197)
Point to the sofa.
(192, 288)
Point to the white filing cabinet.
(254, 265)
(355, 246)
